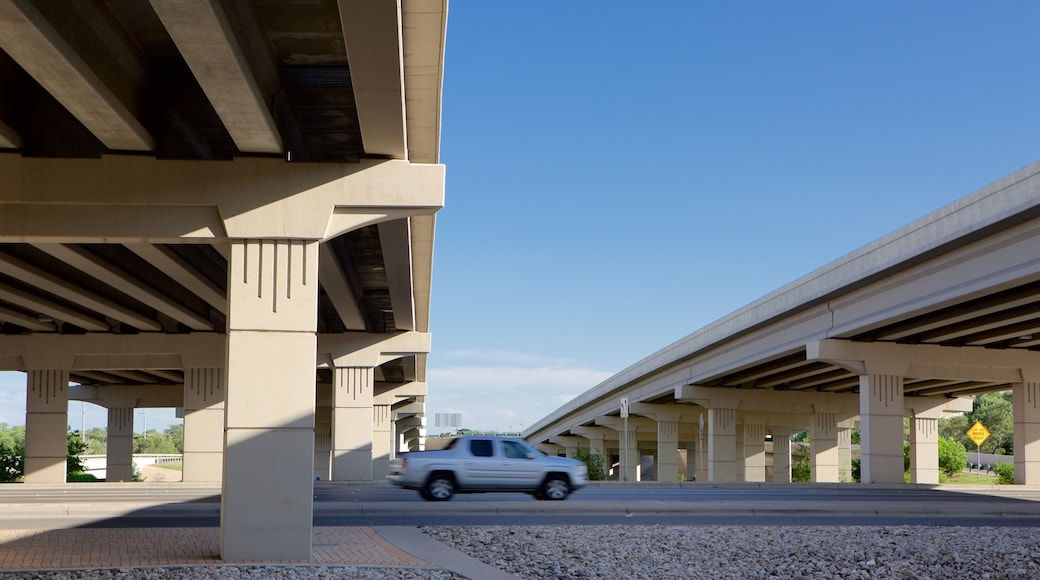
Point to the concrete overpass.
(226, 207)
(909, 326)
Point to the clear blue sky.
(621, 174)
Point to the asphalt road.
(379, 504)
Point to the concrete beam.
(372, 34)
(769, 401)
(924, 361)
(129, 397)
(99, 200)
(363, 349)
(205, 39)
(395, 239)
(37, 43)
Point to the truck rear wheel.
(440, 487)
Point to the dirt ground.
(153, 473)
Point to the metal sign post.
(978, 433)
(624, 443)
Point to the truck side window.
(514, 450)
(480, 447)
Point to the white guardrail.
(96, 465)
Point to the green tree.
(74, 447)
(992, 410)
(593, 462)
(12, 437)
(953, 458)
(175, 434)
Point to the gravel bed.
(244, 572)
(629, 552)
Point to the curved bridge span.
(909, 326)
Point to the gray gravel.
(242, 572)
(634, 552)
(751, 552)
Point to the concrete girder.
(83, 261)
(768, 401)
(100, 200)
(57, 312)
(409, 423)
(111, 351)
(422, 227)
(102, 95)
(635, 424)
(395, 239)
(337, 287)
(9, 138)
(362, 349)
(396, 393)
(26, 321)
(176, 268)
(667, 412)
(30, 274)
(129, 397)
(423, 48)
(377, 73)
(205, 39)
(927, 360)
(404, 409)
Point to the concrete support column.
(845, 451)
(203, 425)
(667, 462)
(754, 452)
(266, 513)
(352, 423)
(382, 441)
(46, 425)
(881, 428)
(924, 450)
(119, 454)
(1025, 401)
(722, 445)
(739, 465)
(596, 437)
(323, 443)
(781, 454)
(823, 448)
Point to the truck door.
(520, 471)
(481, 468)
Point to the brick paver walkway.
(103, 548)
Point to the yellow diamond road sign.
(978, 433)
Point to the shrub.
(801, 471)
(12, 463)
(1006, 472)
(593, 462)
(953, 458)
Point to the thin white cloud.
(507, 357)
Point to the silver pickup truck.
(477, 463)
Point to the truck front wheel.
(556, 488)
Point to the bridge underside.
(227, 208)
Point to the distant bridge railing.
(97, 464)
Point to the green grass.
(173, 466)
(971, 479)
